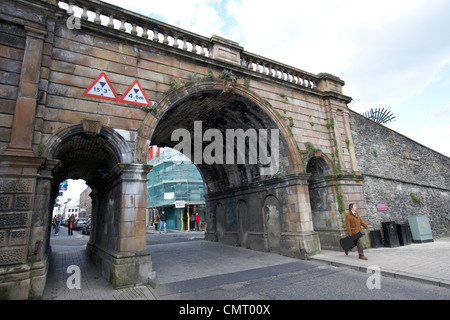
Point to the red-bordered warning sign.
(101, 88)
(135, 95)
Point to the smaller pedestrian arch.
(89, 149)
(101, 157)
(323, 189)
(272, 213)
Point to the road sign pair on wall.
(102, 88)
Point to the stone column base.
(24, 282)
(211, 236)
(299, 245)
(329, 239)
(292, 244)
(124, 269)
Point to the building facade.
(175, 186)
(86, 203)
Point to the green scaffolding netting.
(173, 178)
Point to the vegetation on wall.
(309, 152)
(415, 199)
(225, 74)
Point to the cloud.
(443, 112)
(384, 50)
(434, 137)
(198, 16)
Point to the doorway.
(322, 195)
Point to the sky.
(74, 189)
(392, 54)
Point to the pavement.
(424, 262)
(61, 285)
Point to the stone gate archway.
(201, 107)
(102, 158)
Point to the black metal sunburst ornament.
(380, 115)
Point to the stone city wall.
(408, 177)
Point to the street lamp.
(65, 203)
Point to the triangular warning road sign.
(135, 95)
(101, 88)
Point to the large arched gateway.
(245, 153)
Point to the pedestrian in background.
(353, 222)
(197, 221)
(162, 222)
(70, 223)
(185, 224)
(192, 221)
(156, 220)
(57, 223)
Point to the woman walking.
(70, 223)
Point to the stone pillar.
(337, 136)
(211, 232)
(25, 110)
(132, 225)
(40, 229)
(94, 216)
(25, 190)
(226, 50)
(351, 147)
(330, 83)
(119, 247)
(298, 238)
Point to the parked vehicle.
(79, 223)
(87, 227)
